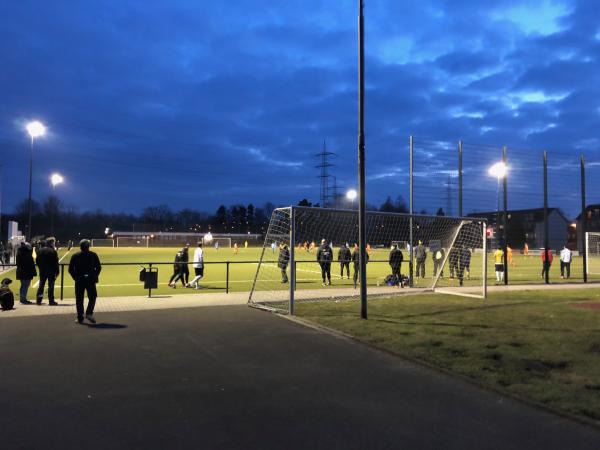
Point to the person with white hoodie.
(198, 264)
(565, 262)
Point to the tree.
(387, 206)
(400, 205)
(440, 212)
(250, 216)
(220, 219)
(304, 202)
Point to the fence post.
(583, 221)
(292, 258)
(62, 281)
(505, 230)
(149, 284)
(410, 210)
(546, 237)
(227, 279)
(460, 180)
(484, 260)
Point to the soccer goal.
(592, 253)
(453, 248)
(103, 243)
(127, 241)
(217, 242)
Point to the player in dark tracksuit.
(325, 257)
(283, 261)
(344, 257)
(178, 273)
(85, 268)
(395, 261)
(453, 258)
(465, 263)
(356, 261)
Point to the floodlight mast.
(35, 129)
(362, 216)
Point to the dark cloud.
(199, 104)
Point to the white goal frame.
(587, 250)
(289, 237)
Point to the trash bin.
(151, 278)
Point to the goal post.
(103, 243)
(127, 241)
(449, 255)
(592, 252)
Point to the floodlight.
(56, 179)
(351, 194)
(208, 237)
(498, 170)
(36, 129)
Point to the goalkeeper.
(325, 257)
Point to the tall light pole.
(351, 195)
(35, 129)
(498, 170)
(362, 214)
(55, 179)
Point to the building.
(592, 223)
(527, 225)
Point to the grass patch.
(532, 344)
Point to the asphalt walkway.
(233, 377)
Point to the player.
(368, 249)
(453, 261)
(420, 255)
(273, 246)
(565, 262)
(526, 249)
(465, 262)
(236, 249)
(217, 246)
(509, 256)
(546, 264)
(499, 265)
(344, 257)
(283, 261)
(198, 266)
(245, 244)
(438, 260)
(324, 257)
(311, 247)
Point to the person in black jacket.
(325, 257)
(178, 273)
(344, 257)
(453, 258)
(25, 270)
(395, 261)
(47, 262)
(282, 262)
(85, 268)
(185, 270)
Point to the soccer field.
(235, 272)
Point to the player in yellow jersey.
(236, 249)
(499, 265)
(509, 257)
(369, 249)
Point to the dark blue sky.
(194, 104)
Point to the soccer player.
(311, 247)
(273, 246)
(282, 262)
(217, 246)
(395, 261)
(465, 262)
(453, 258)
(368, 249)
(565, 262)
(420, 256)
(438, 260)
(245, 244)
(344, 257)
(499, 265)
(177, 270)
(509, 256)
(198, 266)
(546, 263)
(236, 249)
(324, 257)
(526, 249)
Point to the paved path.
(238, 378)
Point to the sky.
(196, 104)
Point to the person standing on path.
(565, 262)
(85, 268)
(198, 266)
(47, 262)
(283, 261)
(25, 270)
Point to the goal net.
(103, 243)
(592, 253)
(448, 256)
(125, 241)
(217, 242)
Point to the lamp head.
(36, 129)
(351, 194)
(498, 170)
(56, 179)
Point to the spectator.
(464, 264)
(325, 257)
(395, 261)
(47, 262)
(356, 261)
(420, 256)
(177, 270)
(198, 266)
(25, 270)
(85, 268)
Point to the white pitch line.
(37, 283)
